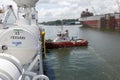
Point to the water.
(99, 61)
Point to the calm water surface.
(99, 61)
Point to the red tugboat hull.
(77, 43)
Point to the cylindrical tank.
(10, 68)
(26, 3)
(21, 42)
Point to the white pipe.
(43, 77)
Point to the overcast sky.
(69, 9)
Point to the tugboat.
(63, 40)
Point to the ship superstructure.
(20, 43)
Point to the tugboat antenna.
(62, 25)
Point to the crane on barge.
(20, 45)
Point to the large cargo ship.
(105, 21)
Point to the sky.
(70, 9)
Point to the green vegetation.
(59, 22)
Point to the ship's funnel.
(26, 3)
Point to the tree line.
(61, 22)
